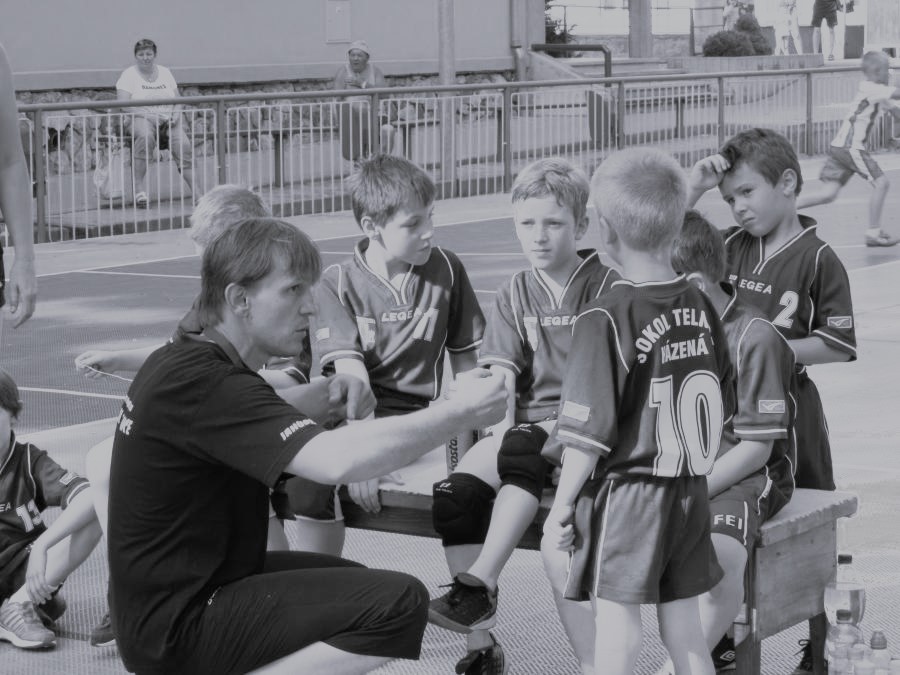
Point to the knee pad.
(519, 461)
(461, 509)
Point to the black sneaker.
(723, 655)
(489, 661)
(102, 634)
(805, 667)
(467, 606)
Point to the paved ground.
(132, 290)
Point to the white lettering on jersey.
(565, 320)
(125, 423)
(690, 316)
(425, 328)
(654, 331)
(728, 520)
(366, 328)
(756, 286)
(401, 315)
(5, 507)
(128, 403)
(291, 429)
(531, 324)
(673, 351)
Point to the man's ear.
(237, 300)
(788, 182)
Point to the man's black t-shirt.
(199, 441)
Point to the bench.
(785, 579)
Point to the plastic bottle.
(841, 634)
(864, 667)
(895, 667)
(845, 591)
(881, 657)
(838, 660)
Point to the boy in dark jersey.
(777, 263)
(641, 418)
(753, 476)
(35, 559)
(527, 339)
(388, 315)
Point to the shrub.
(748, 25)
(728, 43)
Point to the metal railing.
(297, 148)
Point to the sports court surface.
(132, 290)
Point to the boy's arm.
(812, 350)
(705, 175)
(832, 333)
(577, 467)
(460, 362)
(509, 420)
(465, 320)
(739, 462)
(112, 361)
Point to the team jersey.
(400, 334)
(802, 288)
(30, 482)
(530, 333)
(765, 401)
(647, 385)
(871, 98)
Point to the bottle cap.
(844, 616)
(844, 558)
(878, 641)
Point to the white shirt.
(164, 86)
(854, 131)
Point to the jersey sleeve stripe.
(498, 361)
(615, 331)
(512, 306)
(449, 266)
(845, 345)
(341, 354)
(583, 440)
(467, 348)
(781, 431)
(603, 286)
(79, 488)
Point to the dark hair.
(144, 43)
(246, 253)
(764, 150)
(699, 247)
(383, 184)
(9, 396)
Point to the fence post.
(40, 178)
(620, 116)
(809, 114)
(221, 143)
(374, 124)
(505, 132)
(720, 81)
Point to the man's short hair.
(766, 151)
(642, 194)
(222, 207)
(384, 184)
(554, 177)
(699, 247)
(9, 396)
(144, 43)
(246, 253)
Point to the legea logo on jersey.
(531, 332)
(840, 322)
(774, 406)
(366, 328)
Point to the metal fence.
(297, 149)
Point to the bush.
(728, 43)
(748, 25)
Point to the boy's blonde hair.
(9, 396)
(384, 184)
(554, 177)
(699, 247)
(876, 66)
(222, 207)
(642, 194)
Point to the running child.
(484, 507)
(641, 421)
(849, 155)
(388, 314)
(777, 263)
(36, 559)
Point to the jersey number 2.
(689, 427)
(785, 317)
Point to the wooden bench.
(793, 560)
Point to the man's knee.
(461, 509)
(519, 461)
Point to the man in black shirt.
(200, 439)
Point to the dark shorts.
(826, 11)
(843, 163)
(643, 540)
(814, 469)
(301, 599)
(12, 576)
(740, 511)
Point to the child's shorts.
(740, 511)
(814, 469)
(313, 501)
(12, 576)
(644, 540)
(843, 163)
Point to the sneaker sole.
(440, 620)
(104, 643)
(16, 641)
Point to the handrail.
(607, 54)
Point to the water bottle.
(839, 661)
(845, 591)
(842, 636)
(881, 657)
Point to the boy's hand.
(35, 580)
(365, 494)
(708, 173)
(349, 398)
(559, 530)
(479, 396)
(96, 363)
(21, 291)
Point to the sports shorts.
(12, 576)
(642, 539)
(842, 163)
(826, 11)
(740, 511)
(300, 599)
(814, 469)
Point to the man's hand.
(479, 396)
(708, 173)
(96, 363)
(21, 291)
(349, 398)
(35, 575)
(559, 530)
(365, 494)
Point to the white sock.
(873, 232)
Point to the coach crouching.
(200, 440)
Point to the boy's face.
(547, 232)
(7, 421)
(406, 236)
(757, 205)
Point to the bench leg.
(818, 628)
(747, 657)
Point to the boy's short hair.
(699, 247)
(642, 194)
(247, 252)
(554, 177)
(875, 62)
(383, 184)
(766, 152)
(220, 208)
(9, 396)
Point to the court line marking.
(72, 393)
(459, 253)
(140, 274)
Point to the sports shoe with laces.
(723, 655)
(48, 612)
(806, 660)
(881, 240)
(20, 625)
(488, 661)
(467, 606)
(102, 634)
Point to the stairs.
(593, 66)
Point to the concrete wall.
(67, 44)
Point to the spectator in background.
(146, 81)
(15, 205)
(358, 73)
(824, 10)
(787, 28)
